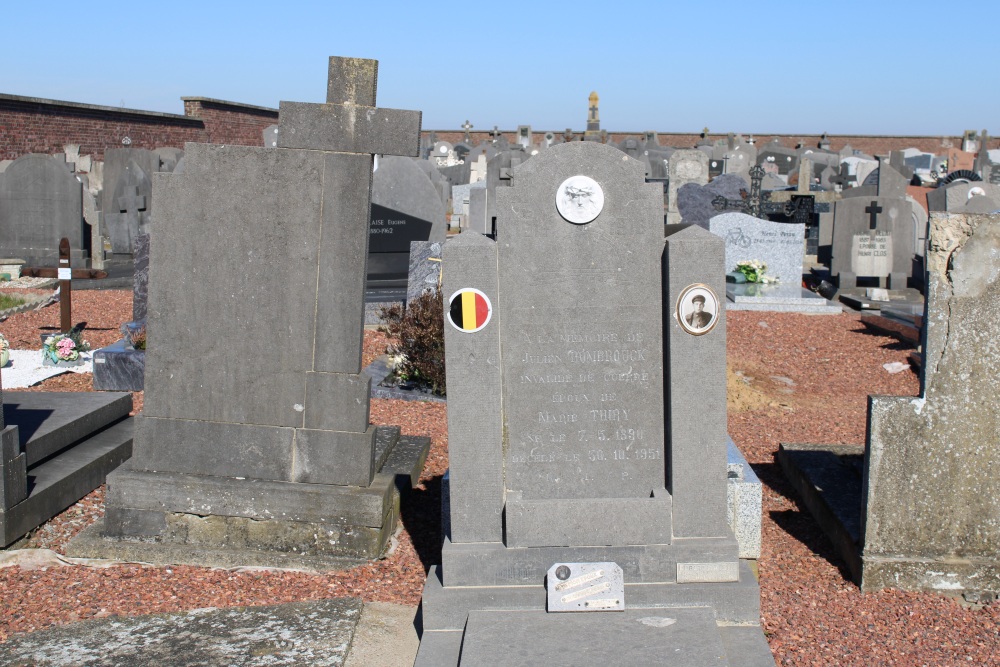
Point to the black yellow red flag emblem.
(469, 310)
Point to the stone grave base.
(778, 298)
(168, 518)
(119, 368)
(903, 321)
(57, 448)
(302, 633)
(856, 298)
(663, 624)
(829, 480)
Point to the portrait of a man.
(699, 317)
(697, 309)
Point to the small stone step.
(50, 421)
(407, 458)
(386, 438)
(65, 478)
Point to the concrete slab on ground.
(335, 633)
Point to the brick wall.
(870, 144)
(231, 123)
(34, 125)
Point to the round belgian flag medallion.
(469, 310)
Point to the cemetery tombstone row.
(41, 202)
(599, 486)
(254, 444)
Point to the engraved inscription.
(871, 254)
(582, 587)
(596, 423)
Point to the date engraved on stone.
(585, 587)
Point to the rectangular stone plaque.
(585, 587)
(871, 254)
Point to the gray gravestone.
(608, 442)
(405, 207)
(266, 432)
(932, 508)
(478, 220)
(425, 268)
(686, 166)
(777, 244)
(41, 202)
(872, 237)
(694, 202)
(127, 211)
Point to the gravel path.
(793, 378)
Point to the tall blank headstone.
(264, 430)
(41, 202)
(932, 499)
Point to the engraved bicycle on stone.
(737, 238)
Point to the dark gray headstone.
(405, 207)
(236, 410)
(694, 201)
(589, 457)
(872, 237)
(41, 202)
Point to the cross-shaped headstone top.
(352, 81)
(349, 122)
(131, 200)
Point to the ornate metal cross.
(467, 126)
(758, 204)
(751, 203)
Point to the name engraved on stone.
(576, 582)
(585, 587)
(871, 254)
(586, 592)
(583, 420)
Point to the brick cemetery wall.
(35, 125)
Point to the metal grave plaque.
(585, 587)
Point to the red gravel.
(793, 378)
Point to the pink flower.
(65, 345)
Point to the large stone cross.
(350, 129)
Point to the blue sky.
(846, 67)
